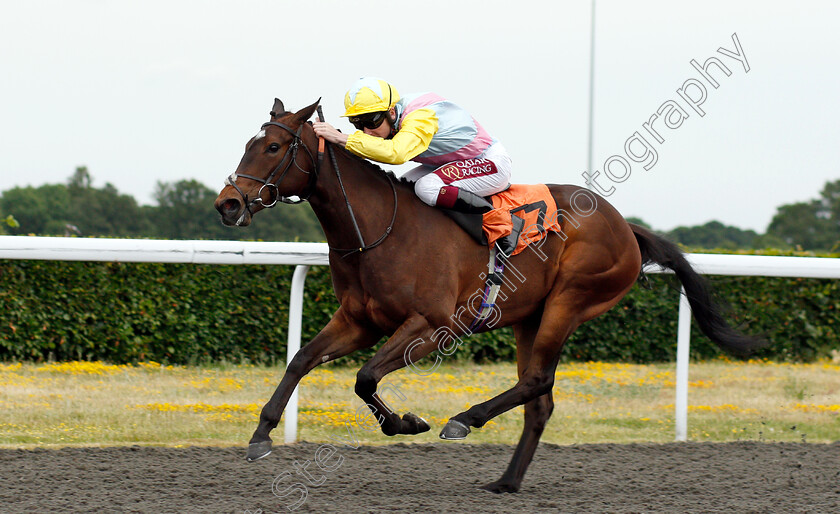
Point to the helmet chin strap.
(392, 122)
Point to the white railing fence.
(304, 255)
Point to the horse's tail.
(706, 311)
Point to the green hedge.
(180, 313)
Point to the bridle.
(274, 195)
(269, 183)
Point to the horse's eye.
(273, 147)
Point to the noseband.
(310, 187)
(269, 183)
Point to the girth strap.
(493, 283)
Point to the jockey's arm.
(413, 138)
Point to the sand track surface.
(679, 477)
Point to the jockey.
(460, 163)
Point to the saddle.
(532, 204)
(521, 213)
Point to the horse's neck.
(368, 192)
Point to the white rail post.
(295, 323)
(683, 343)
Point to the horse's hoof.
(499, 487)
(257, 451)
(454, 431)
(417, 425)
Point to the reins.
(362, 246)
(274, 195)
(350, 251)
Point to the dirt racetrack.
(684, 477)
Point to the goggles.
(368, 121)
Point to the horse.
(414, 280)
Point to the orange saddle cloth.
(533, 203)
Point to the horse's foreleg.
(341, 336)
(414, 336)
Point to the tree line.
(184, 210)
(812, 225)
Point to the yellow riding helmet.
(369, 94)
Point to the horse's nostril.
(229, 207)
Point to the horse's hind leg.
(537, 413)
(569, 305)
(535, 379)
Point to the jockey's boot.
(472, 203)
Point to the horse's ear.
(306, 113)
(278, 109)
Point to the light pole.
(591, 91)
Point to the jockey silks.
(431, 131)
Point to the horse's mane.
(367, 165)
(372, 167)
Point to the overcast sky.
(152, 91)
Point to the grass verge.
(96, 404)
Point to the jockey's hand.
(328, 132)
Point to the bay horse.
(404, 270)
